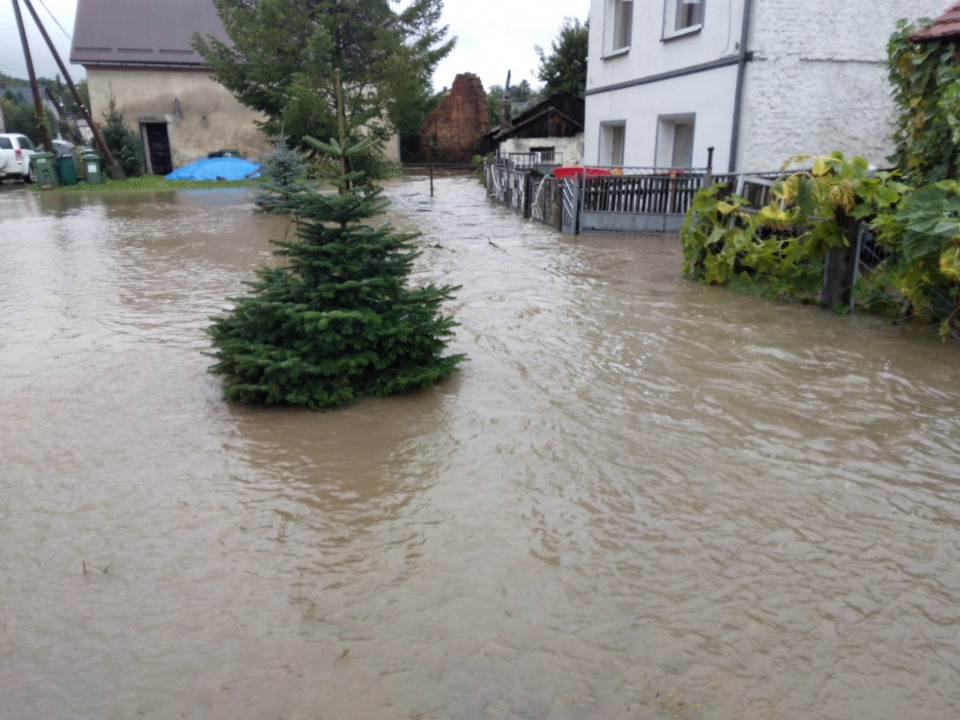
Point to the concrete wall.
(210, 117)
(817, 82)
(709, 96)
(650, 53)
(571, 147)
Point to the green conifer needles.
(336, 321)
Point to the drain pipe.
(745, 57)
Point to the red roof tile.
(945, 26)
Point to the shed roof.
(24, 92)
(142, 32)
(554, 105)
(944, 27)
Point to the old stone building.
(139, 51)
(454, 131)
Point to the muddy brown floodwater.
(639, 492)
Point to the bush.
(283, 169)
(336, 321)
(124, 144)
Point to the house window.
(682, 17)
(675, 141)
(612, 137)
(545, 155)
(619, 25)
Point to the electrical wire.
(68, 36)
(10, 65)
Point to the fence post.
(841, 265)
(431, 179)
(558, 194)
(578, 213)
(527, 186)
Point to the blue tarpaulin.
(227, 168)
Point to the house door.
(158, 148)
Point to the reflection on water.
(636, 485)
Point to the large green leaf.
(930, 218)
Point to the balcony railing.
(527, 160)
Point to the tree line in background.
(564, 68)
(20, 116)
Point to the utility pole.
(37, 102)
(115, 172)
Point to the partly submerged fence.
(598, 199)
(649, 200)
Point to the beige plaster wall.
(210, 117)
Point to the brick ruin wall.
(452, 133)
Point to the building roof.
(947, 26)
(142, 32)
(23, 92)
(563, 106)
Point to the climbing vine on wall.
(778, 250)
(926, 92)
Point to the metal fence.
(535, 196)
(660, 194)
(620, 200)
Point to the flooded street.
(639, 498)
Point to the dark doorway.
(158, 148)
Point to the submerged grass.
(148, 183)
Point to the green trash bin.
(45, 164)
(94, 168)
(67, 169)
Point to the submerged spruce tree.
(336, 321)
(283, 169)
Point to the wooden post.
(527, 187)
(37, 101)
(431, 179)
(101, 145)
(841, 265)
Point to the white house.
(758, 80)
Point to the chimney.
(506, 118)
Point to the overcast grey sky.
(493, 36)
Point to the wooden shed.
(554, 125)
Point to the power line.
(69, 37)
(13, 66)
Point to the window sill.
(616, 53)
(682, 33)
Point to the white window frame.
(616, 28)
(670, 10)
(666, 148)
(605, 151)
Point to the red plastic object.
(564, 172)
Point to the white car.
(16, 152)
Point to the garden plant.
(337, 320)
